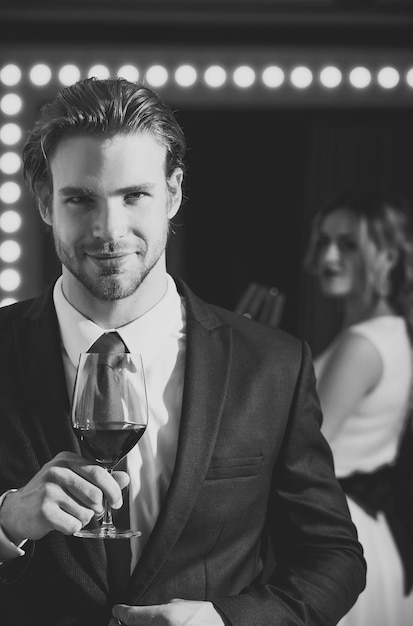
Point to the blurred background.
(282, 103)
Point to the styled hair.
(387, 221)
(99, 108)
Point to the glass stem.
(107, 521)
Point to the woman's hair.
(387, 221)
(99, 108)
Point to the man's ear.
(175, 191)
(45, 212)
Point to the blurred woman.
(361, 251)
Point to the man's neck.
(117, 313)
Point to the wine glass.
(109, 416)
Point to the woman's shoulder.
(354, 347)
(382, 330)
(388, 337)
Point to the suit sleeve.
(320, 569)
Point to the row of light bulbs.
(10, 224)
(214, 76)
(10, 253)
(10, 191)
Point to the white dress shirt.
(160, 337)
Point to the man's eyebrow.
(75, 191)
(123, 191)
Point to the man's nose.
(110, 221)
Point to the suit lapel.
(38, 345)
(206, 375)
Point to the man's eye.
(77, 200)
(134, 195)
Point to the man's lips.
(118, 255)
(111, 260)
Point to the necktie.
(117, 550)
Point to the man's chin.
(112, 293)
(109, 289)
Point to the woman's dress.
(367, 440)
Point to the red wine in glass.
(107, 444)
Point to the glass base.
(107, 533)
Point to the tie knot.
(107, 343)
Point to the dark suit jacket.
(251, 465)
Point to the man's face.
(109, 211)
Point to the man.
(232, 457)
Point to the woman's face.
(340, 260)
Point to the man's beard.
(111, 284)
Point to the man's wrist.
(8, 549)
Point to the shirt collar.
(142, 335)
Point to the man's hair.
(94, 107)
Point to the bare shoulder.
(357, 352)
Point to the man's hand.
(176, 613)
(64, 495)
